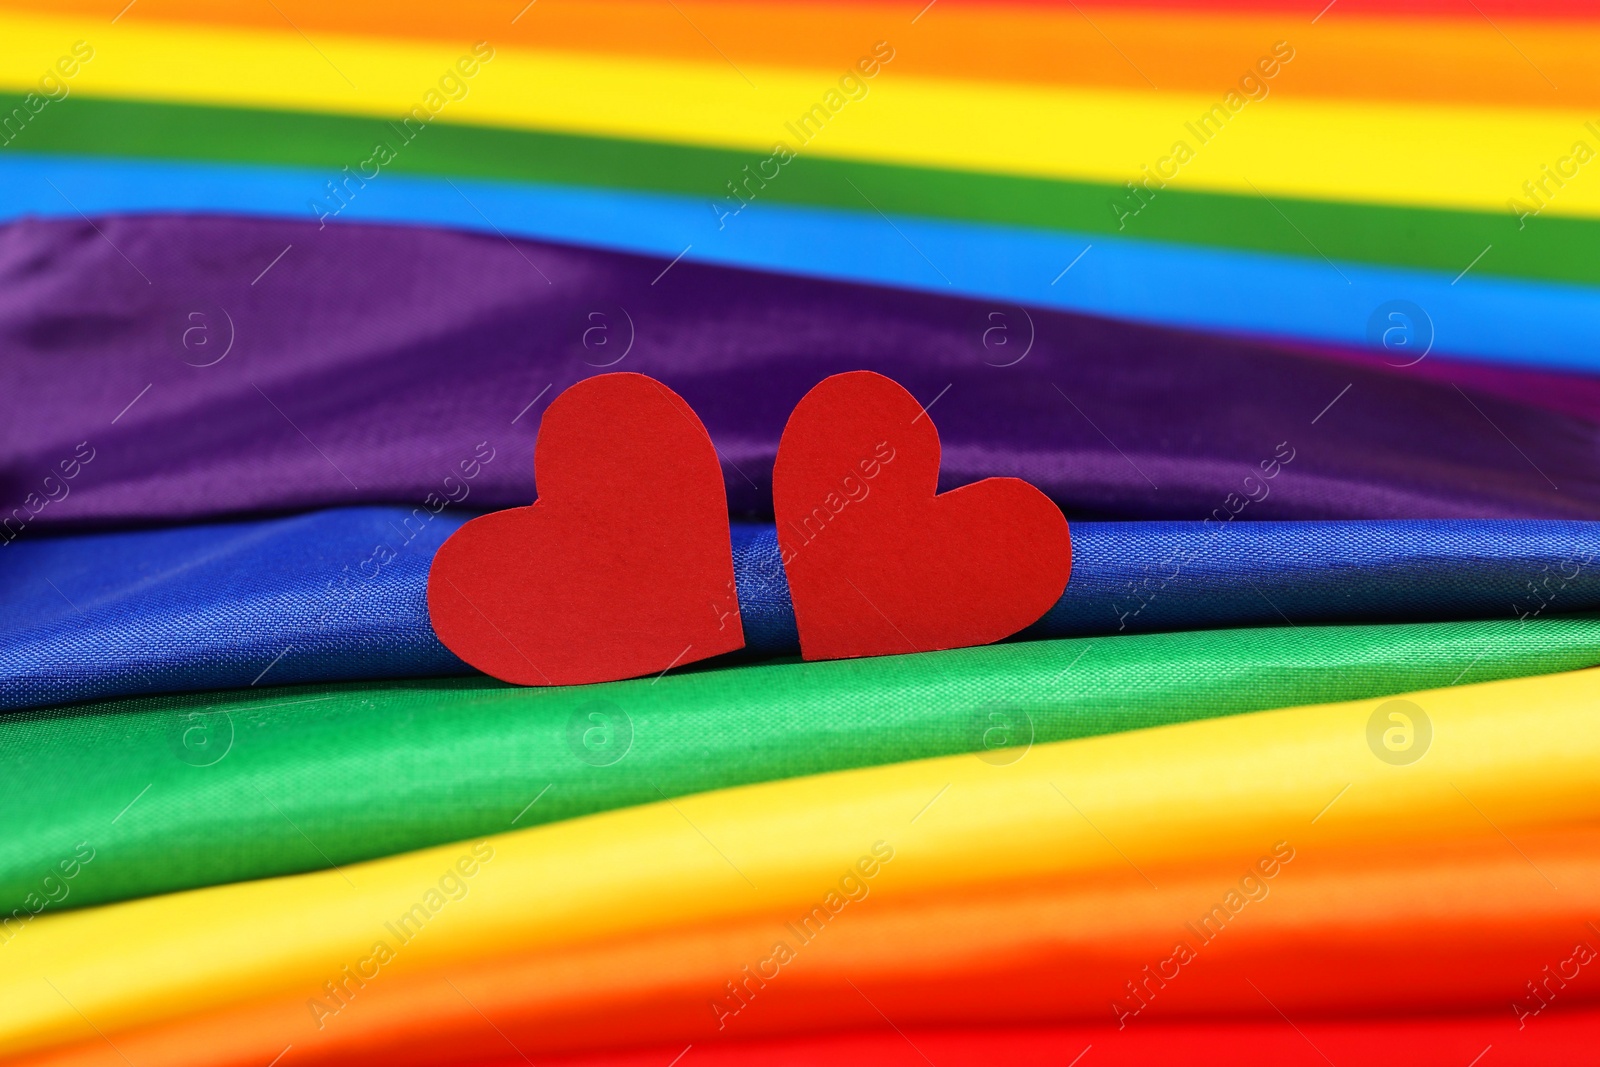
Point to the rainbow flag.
(1289, 305)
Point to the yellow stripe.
(1462, 157)
(1522, 753)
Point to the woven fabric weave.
(1040, 952)
(177, 792)
(458, 341)
(340, 594)
(1519, 755)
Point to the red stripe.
(1478, 1040)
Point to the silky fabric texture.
(173, 793)
(1310, 148)
(341, 594)
(1567, 392)
(1313, 932)
(318, 405)
(1449, 1041)
(1180, 283)
(1519, 755)
(1391, 235)
(1028, 43)
(306, 598)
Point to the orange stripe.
(1420, 928)
(1462, 61)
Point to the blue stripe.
(340, 594)
(1305, 299)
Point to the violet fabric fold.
(158, 369)
(340, 594)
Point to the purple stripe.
(368, 363)
(1567, 392)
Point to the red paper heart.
(622, 567)
(877, 563)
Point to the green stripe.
(177, 792)
(1550, 248)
